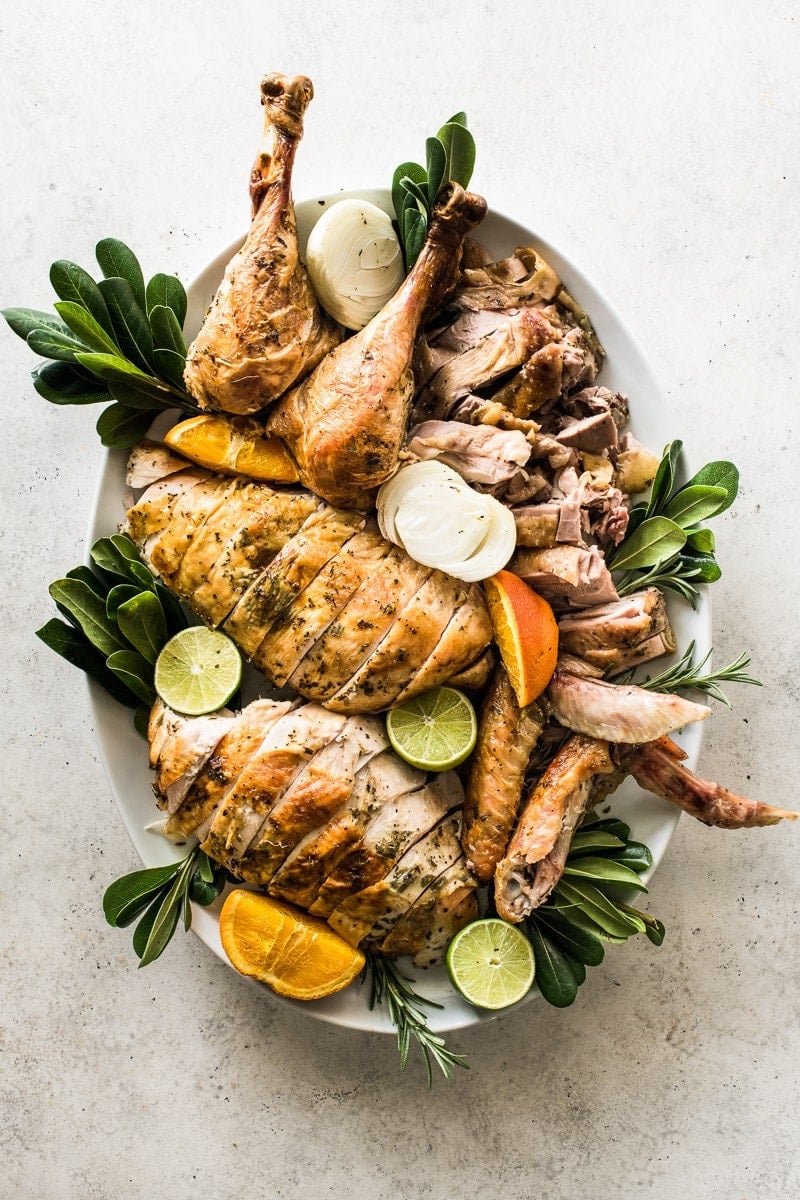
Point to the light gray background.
(657, 144)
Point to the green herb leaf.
(685, 674)
(88, 610)
(700, 540)
(117, 555)
(406, 1012)
(577, 968)
(171, 366)
(137, 885)
(118, 595)
(653, 543)
(611, 825)
(720, 474)
(604, 870)
(436, 164)
(89, 578)
(141, 720)
(166, 917)
(131, 327)
(691, 505)
(167, 332)
(140, 394)
(459, 146)
(71, 282)
(120, 427)
(24, 321)
(665, 478)
(636, 855)
(85, 327)
(60, 383)
(587, 840)
(141, 621)
(400, 197)
(118, 261)
(703, 567)
(167, 290)
(75, 647)
(414, 238)
(135, 672)
(598, 907)
(570, 938)
(554, 975)
(653, 928)
(52, 344)
(417, 191)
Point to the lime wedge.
(435, 731)
(198, 671)
(491, 963)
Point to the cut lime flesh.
(198, 671)
(491, 963)
(435, 731)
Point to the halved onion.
(440, 521)
(355, 261)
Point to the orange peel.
(526, 633)
(233, 444)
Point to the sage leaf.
(117, 555)
(118, 261)
(141, 621)
(166, 329)
(24, 321)
(653, 928)
(720, 474)
(665, 477)
(604, 870)
(576, 966)
(554, 975)
(88, 610)
(131, 327)
(52, 344)
(120, 427)
(85, 328)
(636, 855)
(111, 367)
(636, 517)
(597, 906)
(143, 395)
(118, 595)
(119, 895)
(75, 647)
(170, 366)
(166, 918)
(459, 118)
(141, 720)
(581, 920)
(400, 196)
(135, 672)
(611, 825)
(169, 291)
(89, 578)
(701, 540)
(204, 868)
(700, 566)
(655, 541)
(436, 163)
(417, 191)
(570, 938)
(586, 840)
(175, 616)
(691, 505)
(60, 383)
(459, 146)
(71, 282)
(414, 239)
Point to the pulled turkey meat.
(265, 329)
(346, 423)
(317, 809)
(311, 595)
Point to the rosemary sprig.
(686, 673)
(160, 897)
(405, 1006)
(677, 575)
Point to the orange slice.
(235, 444)
(526, 634)
(296, 955)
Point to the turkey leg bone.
(265, 329)
(346, 423)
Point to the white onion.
(440, 521)
(355, 261)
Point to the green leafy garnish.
(686, 673)
(160, 897)
(115, 342)
(406, 1012)
(569, 930)
(450, 155)
(117, 619)
(666, 546)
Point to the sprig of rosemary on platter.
(117, 619)
(160, 896)
(117, 342)
(450, 155)
(406, 1012)
(569, 930)
(666, 545)
(686, 674)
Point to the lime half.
(434, 731)
(198, 671)
(491, 963)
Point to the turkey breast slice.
(466, 636)
(420, 929)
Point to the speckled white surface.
(658, 146)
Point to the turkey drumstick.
(265, 329)
(346, 423)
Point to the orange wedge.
(236, 444)
(294, 954)
(526, 634)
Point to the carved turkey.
(265, 329)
